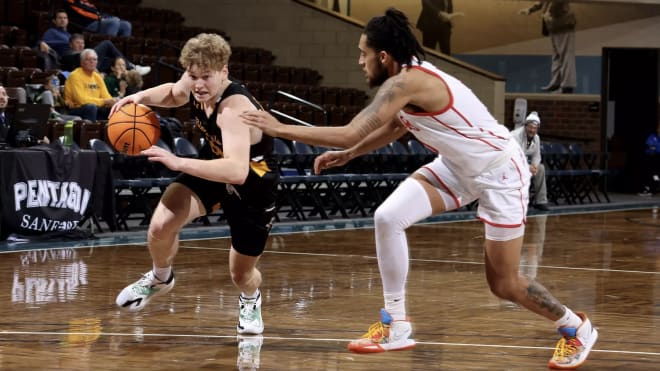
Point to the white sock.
(395, 305)
(162, 274)
(253, 296)
(569, 319)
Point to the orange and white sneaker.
(384, 336)
(574, 346)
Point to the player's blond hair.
(207, 51)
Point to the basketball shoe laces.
(147, 285)
(377, 333)
(567, 347)
(248, 309)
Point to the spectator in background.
(84, 91)
(652, 170)
(55, 41)
(530, 142)
(60, 49)
(558, 23)
(106, 51)
(5, 121)
(86, 14)
(7, 133)
(436, 21)
(51, 95)
(115, 80)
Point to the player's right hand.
(330, 159)
(261, 120)
(134, 98)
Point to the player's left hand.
(167, 158)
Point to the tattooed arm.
(391, 98)
(376, 139)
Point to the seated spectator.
(84, 91)
(120, 82)
(105, 50)
(652, 168)
(55, 41)
(86, 14)
(115, 79)
(51, 94)
(529, 140)
(5, 121)
(59, 49)
(8, 136)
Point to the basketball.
(133, 128)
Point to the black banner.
(49, 189)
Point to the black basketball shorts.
(250, 215)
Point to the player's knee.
(385, 219)
(163, 229)
(241, 277)
(503, 288)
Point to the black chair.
(184, 148)
(419, 154)
(136, 182)
(162, 144)
(303, 157)
(400, 158)
(100, 146)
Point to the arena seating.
(295, 94)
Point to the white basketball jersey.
(464, 133)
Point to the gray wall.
(306, 37)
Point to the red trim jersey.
(465, 134)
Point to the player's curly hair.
(207, 51)
(393, 34)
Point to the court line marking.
(433, 260)
(209, 336)
(363, 256)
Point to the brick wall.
(564, 118)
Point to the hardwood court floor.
(322, 289)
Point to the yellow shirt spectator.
(85, 88)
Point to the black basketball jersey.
(261, 159)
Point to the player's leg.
(250, 227)
(247, 278)
(578, 335)
(177, 207)
(421, 195)
(503, 207)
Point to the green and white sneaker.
(249, 315)
(135, 296)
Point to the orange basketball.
(133, 128)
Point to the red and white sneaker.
(384, 336)
(574, 346)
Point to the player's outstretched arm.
(391, 98)
(327, 136)
(376, 139)
(164, 95)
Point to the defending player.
(477, 161)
